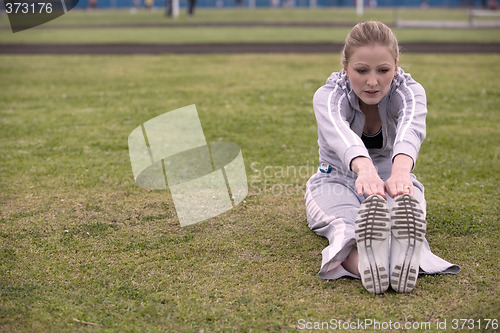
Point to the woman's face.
(370, 71)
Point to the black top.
(373, 141)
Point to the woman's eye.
(361, 71)
(383, 70)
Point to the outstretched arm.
(400, 182)
(368, 181)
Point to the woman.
(364, 198)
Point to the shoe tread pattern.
(373, 224)
(408, 227)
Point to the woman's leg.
(351, 262)
(331, 207)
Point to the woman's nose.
(372, 80)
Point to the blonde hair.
(369, 33)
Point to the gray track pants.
(332, 205)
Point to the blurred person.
(92, 4)
(364, 198)
(168, 8)
(136, 6)
(190, 10)
(191, 7)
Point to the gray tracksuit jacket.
(341, 122)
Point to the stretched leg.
(429, 262)
(331, 207)
(350, 263)
(373, 230)
(408, 235)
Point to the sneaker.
(408, 234)
(373, 230)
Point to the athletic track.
(225, 48)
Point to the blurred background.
(290, 3)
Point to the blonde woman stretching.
(364, 198)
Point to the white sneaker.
(372, 230)
(408, 233)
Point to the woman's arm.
(400, 182)
(334, 115)
(412, 108)
(411, 103)
(368, 181)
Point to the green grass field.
(83, 248)
(121, 27)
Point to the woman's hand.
(400, 181)
(368, 181)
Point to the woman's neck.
(373, 122)
(366, 108)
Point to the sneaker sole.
(372, 231)
(408, 229)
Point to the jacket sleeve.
(332, 110)
(411, 104)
